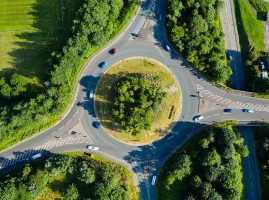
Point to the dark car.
(229, 56)
(169, 136)
(114, 51)
(228, 110)
(160, 17)
(247, 110)
(103, 64)
(96, 125)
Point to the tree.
(196, 181)
(204, 143)
(87, 173)
(72, 192)
(210, 157)
(244, 151)
(198, 25)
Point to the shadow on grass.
(34, 48)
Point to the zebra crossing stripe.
(217, 97)
(264, 109)
(199, 87)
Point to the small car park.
(114, 51)
(96, 125)
(103, 64)
(91, 94)
(198, 118)
(228, 110)
(93, 148)
(247, 110)
(153, 180)
(229, 56)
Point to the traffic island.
(166, 112)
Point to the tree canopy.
(136, 102)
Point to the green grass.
(163, 122)
(29, 14)
(251, 30)
(27, 52)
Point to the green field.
(16, 15)
(27, 51)
(249, 25)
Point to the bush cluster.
(212, 170)
(84, 179)
(260, 5)
(96, 23)
(194, 27)
(136, 102)
(253, 72)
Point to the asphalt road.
(232, 45)
(250, 168)
(144, 160)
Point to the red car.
(114, 51)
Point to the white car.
(198, 118)
(153, 180)
(93, 148)
(91, 94)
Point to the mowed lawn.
(29, 31)
(18, 15)
(253, 27)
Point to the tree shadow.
(149, 158)
(32, 48)
(20, 159)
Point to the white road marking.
(216, 114)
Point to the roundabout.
(143, 160)
(167, 113)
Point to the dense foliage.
(253, 72)
(84, 178)
(207, 167)
(96, 23)
(262, 151)
(136, 102)
(194, 27)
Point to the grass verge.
(247, 22)
(164, 121)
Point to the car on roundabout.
(93, 148)
(103, 64)
(247, 110)
(96, 125)
(167, 48)
(198, 118)
(114, 51)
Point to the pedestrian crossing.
(230, 103)
(45, 147)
